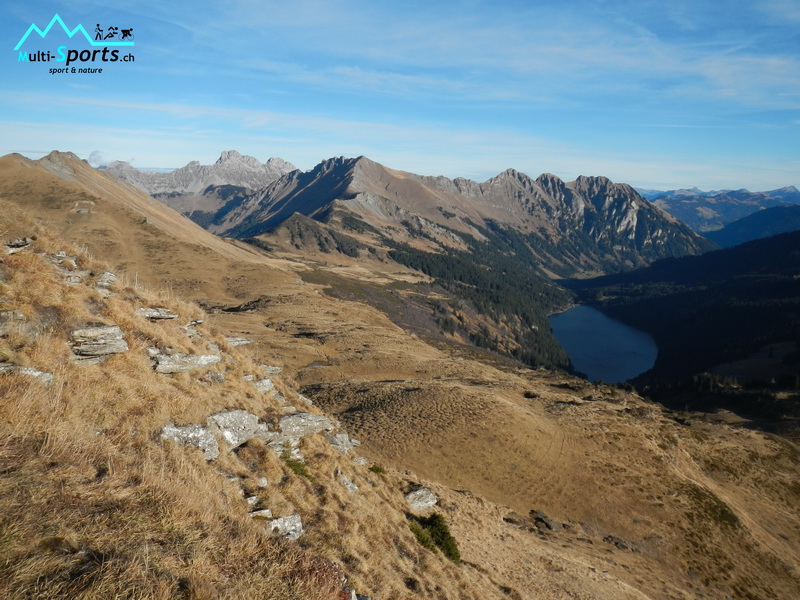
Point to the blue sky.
(656, 94)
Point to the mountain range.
(710, 211)
(230, 169)
(585, 227)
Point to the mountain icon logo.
(107, 38)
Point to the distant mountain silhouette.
(761, 224)
(710, 211)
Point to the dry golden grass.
(598, 459)
(94, 505)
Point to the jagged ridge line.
(57, 18)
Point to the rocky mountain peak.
(232, 156)
(592, 184)
(232, 168)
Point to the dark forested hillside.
(499, 278)
(710, 309)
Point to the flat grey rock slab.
(181, 363)
(98, 341)
(156, 313)
(264, 385)
(237, 426)
(105, 280)
(421, 499)
(193, 435)
(303, 424)
(45, 378)
(348, 483)
(341, 442)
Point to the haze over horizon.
(656, 95)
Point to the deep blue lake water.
(601, 347)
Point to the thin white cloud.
(781, 11)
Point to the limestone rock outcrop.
(421, 499)
(193, 435)
(93, 344)
(302, 424)
(45, 378)
(156, 313)
(181, 363)
(290, 527)
(237, 426)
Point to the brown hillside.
(635, 502)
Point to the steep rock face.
(589, 226)
(296, 192)
(231, 168)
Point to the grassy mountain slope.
(639, 505)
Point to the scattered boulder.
(193, 435)
(290, 527)
(105, 280)
(239, 341)
(8, 318)
(215, 377)
(98, 342)
(347, 482)
(156, 314)
(302, 424)
(421, 499)
(620, 543)
(18, 245)
(271, 371)
(542, 521)
(45, 378)
(180, 363)
(264, 385)
(341, 442)
(237, 426)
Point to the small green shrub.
(297, 467)
(378, 469)
(709, 506)
(423, 536)
(432, 532)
